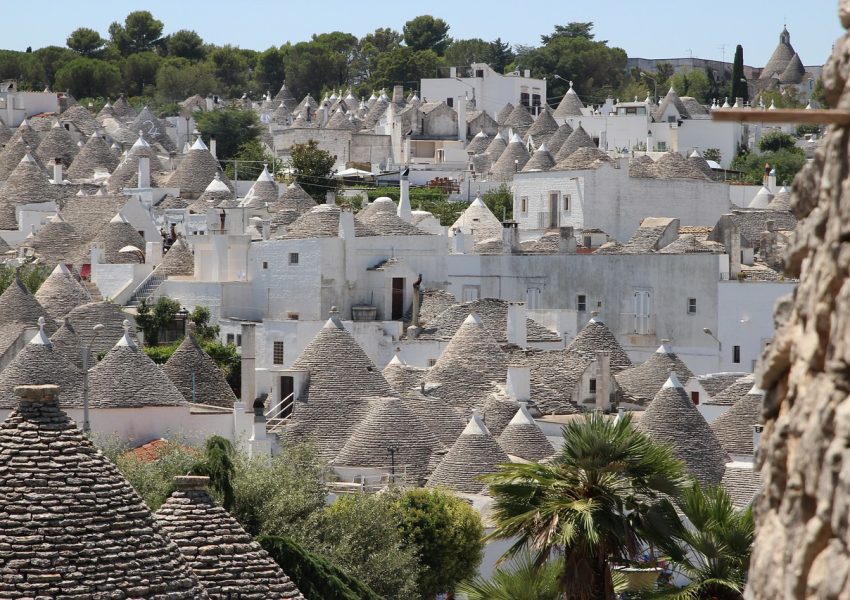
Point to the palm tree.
(522, 581)
(598, 500)
(713, 547)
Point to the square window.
(293, 258)
(230, 338)
(566, 202)
(523, 204)
(692, 306)
(265, 265)
(239, 339)
(277, 353)
(581, 303)
(432, 362)
(695, 398)
(736, 354)
(592, 386)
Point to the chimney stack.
(191, 483)
(57, 171)
(330, 197)
(144, 172)
(267, 229)
(519, 383)
(734, 251)
(43, 394)
(404, 212)
(517, 328)
(249, 359)
(757, 429)
(461, 118)
(510, 237)
(398, 94)
(603, 380)
(567, 241)
(212, 146)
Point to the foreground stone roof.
(73, 527)
(226, 560)
(640, 383)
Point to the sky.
(646, 30)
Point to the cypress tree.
(739, 88)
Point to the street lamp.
(708, 331)
(392, 450)
(183, 315)
(655, 86)
(97, 329)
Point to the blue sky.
(647, 30)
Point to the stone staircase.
(146, 289)
(93, 290)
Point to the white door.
(643, 311)
(471, 293)
(532, 298)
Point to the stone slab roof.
(493, 313)
(642, 382)
(734, 428)
(742, 482)
(61, 293)
(74, 527)
(597, 336)
(226, 560)
(733, 392)
(475, 453)
(523, 437)
(197, 376)
(110, 315)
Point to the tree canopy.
(427, 33)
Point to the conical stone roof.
(734, 428)
(115, 235)
(214, 194)
(122, 109)
(67, 343)
(342, 376)
(27, 184)
(40, 363)
(671, 98)
(322, 221)
(265, 188)
(127, 378)
(467, 368)
(475, 453)
(570, 105)
(496, 147)
(583, 159)
(401, 376)
(81, 118)
(541, 160)
(503, 114)
(478, 220)
(178, 261)
(672, 165)
(294, 198)
(196, 171)
(57, 144)
(543, 128)
(597, 336)
(94, 155)
(578, 139)
(479, 143)
(110, 315)
(285, 96)
(226, 560)
(520, 120)
(61, 293)
(512, 160)
(18, 305)
(389, 423)
(523, 437)
(641, 383)
(197, 376)
(56, 242)
(794, 72)
(24, 140)
(671, 418)
(498, 410)
(95, 537)
(154, 128)
(729, 395)
(126, 174)
(445, 422)
(558, 138)
(782, 55)
(5, 133)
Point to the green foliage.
(500, 202)
(570, 30)
(595, 503)
(153, 319)
(466, 52)
(522, 580)
(787, 163)
(251, 156)
(501, 55)
(32, 276)
(230, 66)
(161, 353)
(200, 317)
(153, 480)
(227, 358)
(819, 95)
(776, 140)
(433, 200)
(312, 168)
(808, 130)
(177, 79)
(596, 69)
(404, 65)
(89, 77)
(140, 33)
(185, 44)
(739, 89)
(218, 464)
(712, 154)
(713, 548)
(270, 71)
(50, 59)
(787, 98)
(360, 534)
(86, 42)
(427, 33)
(317, 578)
(231, 127)
(140, 70)
(692, 83)
(446, 533)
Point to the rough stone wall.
(803, 513)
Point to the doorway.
(398, 299)
(553, 210)
(287, 387)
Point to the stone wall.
(803, 513)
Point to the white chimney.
(519, 383)
(603, 379)
(510, 237)
(757, 429)
(461, 118)
(771, 180)
(267, 229)
(346, 225)
(517, 331)
(57, 171)
(649, 141)
(398, 94)
(734, 251)
(249, 359)
(144, 172)
(567, 241)
(403, 211)
(212, 146)
(153, 253)
(452, 72)
(458, 242)
(330, 197)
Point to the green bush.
(787, 163)
(775, 141)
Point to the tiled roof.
(671, 418)
(475, 452)
(95, 536)
(642, 382)
(226, 560)
(197, 376)
(389, 423)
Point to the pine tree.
(739, 87)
